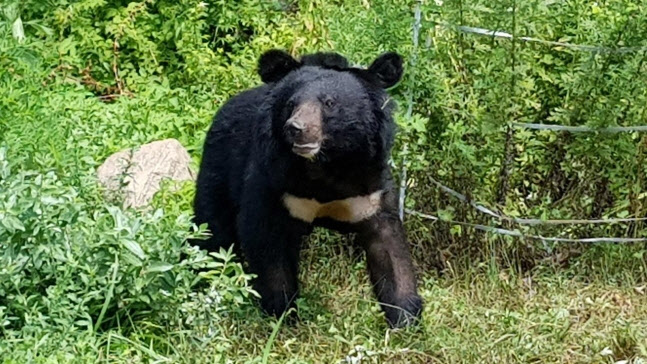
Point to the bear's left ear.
(387, 69)
(275, 64)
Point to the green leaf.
(17, 30)
(135, 248)
(159, 267)
(36, 24)
(12, 223)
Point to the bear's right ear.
(387, 69)
(274, 64)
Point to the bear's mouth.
(308, 150)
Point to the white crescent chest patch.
(352, 209)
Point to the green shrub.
(71, 269)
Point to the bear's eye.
(329, 102)
(289, 104)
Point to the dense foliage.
(81, 79)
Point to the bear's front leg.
(271, 241)
(276, 282)
(390, 268)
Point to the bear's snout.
(293, 130)
(303, 129)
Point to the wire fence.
(518, 234)
(502, 34)
(530, 221)
(532, 126)
(582, 129)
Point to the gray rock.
(135, 174)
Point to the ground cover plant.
(83, 280)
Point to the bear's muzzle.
(304, 130)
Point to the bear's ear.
(387, 69)
(274, 64)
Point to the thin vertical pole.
(414, 59)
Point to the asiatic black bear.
(309, 147)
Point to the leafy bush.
(70, 268)
(115, 48)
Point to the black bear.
(309, 147)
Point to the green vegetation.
(82, 280)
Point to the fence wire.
(506, 35)
(530, 221)
(582, 129)
(518, 234)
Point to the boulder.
(135, 174)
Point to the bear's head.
(325, 110)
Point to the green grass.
(469, 317)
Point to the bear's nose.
(293, 129)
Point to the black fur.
(275, 64)
(325, 59)
(247, 166)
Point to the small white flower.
(202, 5)
(606, 351)
(439, 2)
